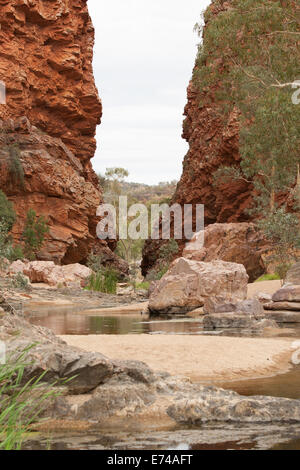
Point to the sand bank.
(201, 358)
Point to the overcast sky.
(144, 55)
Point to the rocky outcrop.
(240, 243)
(49, 121)
(189, 284)
(214, 405)
(248, 315)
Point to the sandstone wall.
(49, 121)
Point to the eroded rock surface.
(238, 243)
(49, 122)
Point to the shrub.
(19, 281)
(95, 262)
(7, 213)
(268, 277)
(105, 280)
(34, 234)
(20, 405)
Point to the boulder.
(294, 306)
(188, 283)
(293, 275)
(263, 297)
(49, 273)
(288, 293)
(246, 307)
(239, 243)
(234, 320)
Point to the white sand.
(197, 357)
(267, 287)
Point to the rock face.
(248, 314)
(238, 243)
(220, 405)
(48, 123)
(188, 284)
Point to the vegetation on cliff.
(250, 56)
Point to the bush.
(20, 405)
(7, 213)
(19, 281)
(34, 234)
(269, 277)
(95, 262)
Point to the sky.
(143, 60)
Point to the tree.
(250, 57)
(34, 234)
(283, 230)
(7, 213)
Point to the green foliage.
(250, 58)
(105, 280)
(15, 253)
(34, 234)
(95, 262)
(166, 254)
(282, 229)
(19, 281)
(168, 251)
(7, 213)
(15, 165)
(142, 285)
(269, 277)
(20, 405)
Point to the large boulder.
(288, 293)
(189, 283)
(238, 243)
(49, 273)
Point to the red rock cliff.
(48, 123)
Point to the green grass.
(20, 405)
(104, 280)
(268, 277)
(143, 285)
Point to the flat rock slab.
(231, 320)
(287, 294)
(282, 306)
(283, 316)
(213, 405)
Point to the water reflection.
(66, 322)
(69, 321)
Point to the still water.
(69, 321)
